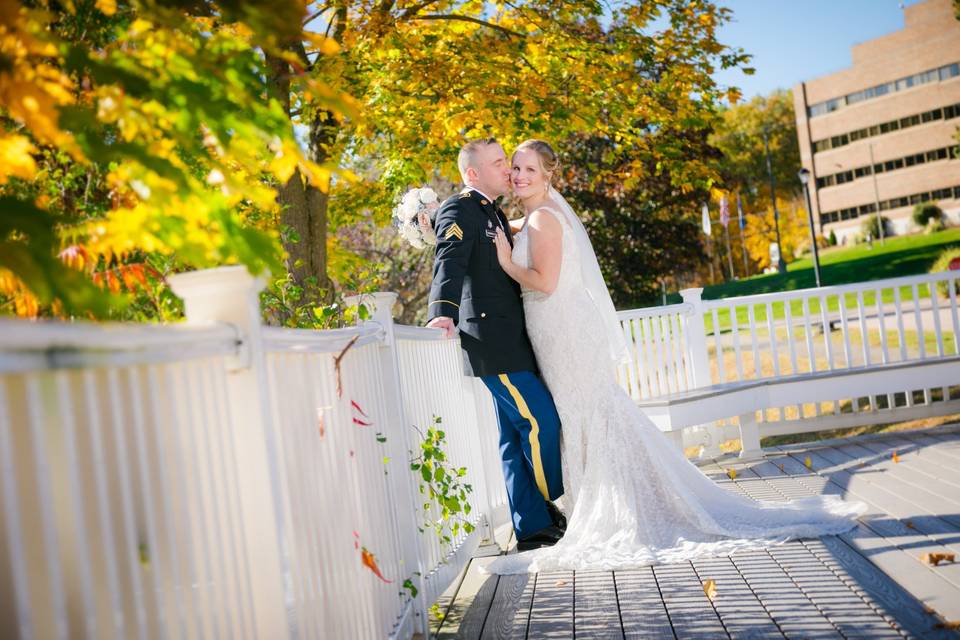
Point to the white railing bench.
(697, 367)
(674, 412)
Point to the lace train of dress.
(632, 498)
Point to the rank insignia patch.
(454, 231)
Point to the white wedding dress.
(631, 496)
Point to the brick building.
(883, 132)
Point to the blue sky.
(796, 40)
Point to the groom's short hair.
(468, 153)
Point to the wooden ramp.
(867, 583)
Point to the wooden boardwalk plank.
(510, 611)
(739, 608)
(552, 613)
(641, 607)
(882, 592)
(866, 583)
(468, 611)
(889, 506)
(596, 612)
(841, 605)
(934, 458)
(787, 605)
(920, 580)
(691, 613)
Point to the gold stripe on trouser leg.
(534, 435)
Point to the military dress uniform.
(471, 288)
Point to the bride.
(632, 498)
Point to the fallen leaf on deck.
(929, 610)
(909, 525)
(895, 457)
(710, 588)
(808, 463)
(936, 558)
(370, 562)
(560, 583)
(949, 624)
(732, 473)
(781, 468)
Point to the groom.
(470, 291)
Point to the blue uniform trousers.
(529, 447)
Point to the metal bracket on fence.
(242, 359)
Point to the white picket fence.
(210, 481)
(699, 343)
(225, 479)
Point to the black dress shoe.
(559, 520)
(546, 537)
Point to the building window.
(885, 205)
(933, 75)
(947, 113)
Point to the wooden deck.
(868, 583)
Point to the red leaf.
(353, 403)
(361, 422)
(371, 563)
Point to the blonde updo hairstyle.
(549, 162)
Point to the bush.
(943, 264)
(925, 212)
(870, 227)
(833, 238)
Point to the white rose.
(428, 195)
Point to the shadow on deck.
(867, 583)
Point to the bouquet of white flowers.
(412, 217)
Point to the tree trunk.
(303, 215)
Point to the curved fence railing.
(223, 479)
(723, 342)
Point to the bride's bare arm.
(546, 244)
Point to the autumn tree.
(743, 134)
(429, 75)
(138, 130)
(645, 232)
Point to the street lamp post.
(781, 264)
(876, 196)
(804, 175)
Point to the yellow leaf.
(936, 558)
(895, 457)
(16, 158)
(732, 473)
(808, 463)
(710, 588)
(323, 44)
(108, 7)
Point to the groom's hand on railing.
(442, 322)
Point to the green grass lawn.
(900, 256)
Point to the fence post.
(380, 307)
(696, 338)
(699, 362)
(229, 295)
